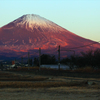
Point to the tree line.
(89, 58)
(45, 59)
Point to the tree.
(97, 58)
(47, 59)
(88, 58)
(36, 61)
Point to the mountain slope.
(30, 32)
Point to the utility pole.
(15, 62)
(28, 61)
(22, 61)
(39, 58)
(59, 58)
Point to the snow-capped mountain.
(32, 21)
(30, 32)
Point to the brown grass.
(39, 84)
(18, 81)
(17, 77)
(86, 69)
(23, 79)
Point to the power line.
(83, 46)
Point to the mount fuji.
(31, 32)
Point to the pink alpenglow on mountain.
(31, 32)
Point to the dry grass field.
(48, 85)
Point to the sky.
(81, 17)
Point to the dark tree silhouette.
(47, 59)
(36, 61)
(89, 58)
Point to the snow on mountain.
(30, 32)
(31, 21)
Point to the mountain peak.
(32, 20)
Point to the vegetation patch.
(39, 84)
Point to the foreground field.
(29, 86)
(57, 93)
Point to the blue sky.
(81, 17)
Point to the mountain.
(31, 32)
